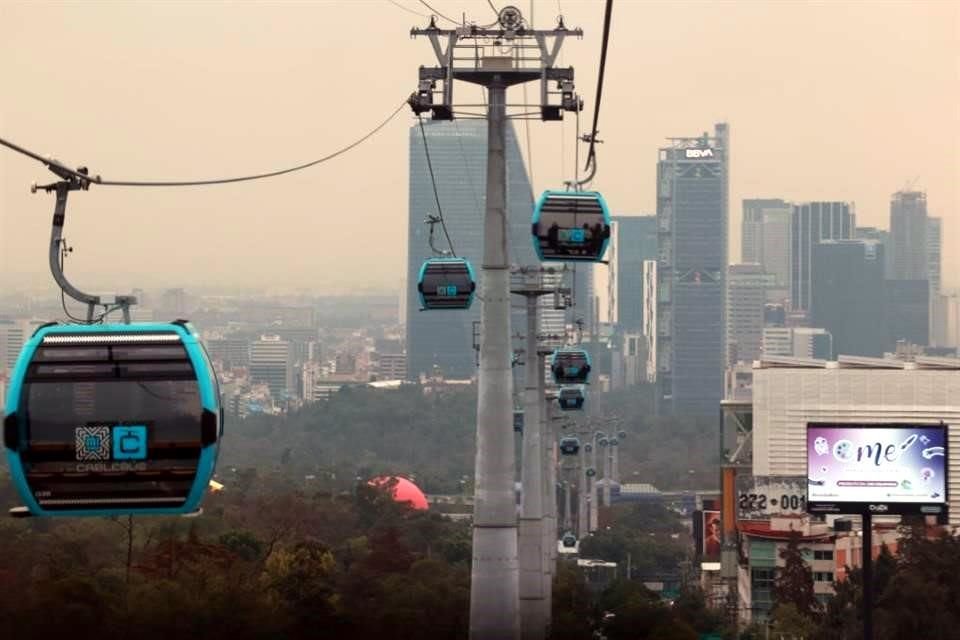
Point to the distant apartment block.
(934, 253)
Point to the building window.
(761, 587)
(823, 576)
(826, 554)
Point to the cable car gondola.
(569, 446)
(571, 226)
(571, 398)
(446, 283)
(112, 419)
(570, 366)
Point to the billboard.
(711, 535)
(878, 469)
(760, 497)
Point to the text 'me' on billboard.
(876, 469)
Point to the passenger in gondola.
(598, 237)
(553, 236)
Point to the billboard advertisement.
(760, 497)
(878, 469)
(711, 535)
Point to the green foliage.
(794, 581)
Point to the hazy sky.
(830, 100)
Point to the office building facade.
(908, 236)
(636, 241)
(812, 223)
(747, 286)
(934, 257)
(765, 238)
(907, 312)
(848, 295)
(692, 216)
(443, 340)
(271, 364)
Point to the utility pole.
(583, 491)
(533, 283)
(474, 54)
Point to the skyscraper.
(747, 285)
(848, 295)
(812, 223)
(635, 240)
(766, 241)
(271, 364)
(458, 153)
(908, 236)
(934, 242)
(692, 183)
(907, 312)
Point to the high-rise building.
(271, 364)
(635, 240)
(458, 153)
(882, 236)
(812, 223)
(908, 236)
(848, 295)
(797, 342)
(907, 312)
(934, 243)
(649, 328)
(692, 215)
(747, 285)
(766, 241)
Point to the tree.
(794, 582)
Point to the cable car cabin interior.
(446, 283)
(570, 398)
(570, 366)
(571, 226)
(112, 419)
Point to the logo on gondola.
(130, 442)
(92, 443)
(122, 442)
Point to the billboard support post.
(867, 562)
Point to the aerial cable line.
(436, 194)
(591, 159)
(495, 10)
(407, 9)
(438, 14)
(193, 183)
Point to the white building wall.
(786, 399)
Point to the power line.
(192, 183)
(436, 194)
(407, 9)
(437, 13)
(603, 63)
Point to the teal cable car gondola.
(571, 226)
(112, 419)
(571, 398)
(446, 283)
(570, 366)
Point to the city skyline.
(830, 151)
